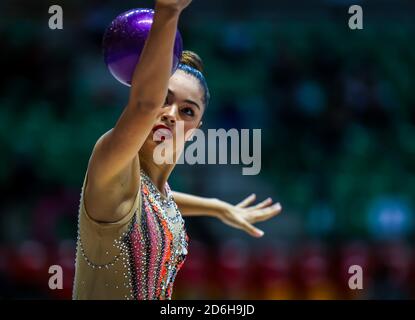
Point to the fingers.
(260, 212)
(265, 214)
(262, 204)
(250, 229)
(247, 201)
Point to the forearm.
(191, 205)
(152, 73)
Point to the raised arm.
(115, 155)
(118, 147)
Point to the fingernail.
(260, 233)
(277, 205)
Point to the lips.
(162, 132)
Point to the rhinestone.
(137, 237)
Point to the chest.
(164, 225)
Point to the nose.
(169, 115)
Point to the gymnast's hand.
(243, 215)
(240, 216)
(177, 5)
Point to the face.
(182, 110)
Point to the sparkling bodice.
(136, 258)
(164, 240)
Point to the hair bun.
(192, 60)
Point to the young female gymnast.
(131, 235)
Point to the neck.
(158, 174)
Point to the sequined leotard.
(135, 258)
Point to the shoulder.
(111, 201)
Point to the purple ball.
(124, 40)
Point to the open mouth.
(161, 133)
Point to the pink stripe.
(154, 239)
(165, 253)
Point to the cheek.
(190, 127)
(192, 124)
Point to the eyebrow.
(187, 100)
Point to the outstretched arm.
(240, 216)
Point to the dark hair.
(192, 64)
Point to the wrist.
(218, 207)
(169, 9)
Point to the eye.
(188, 111)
